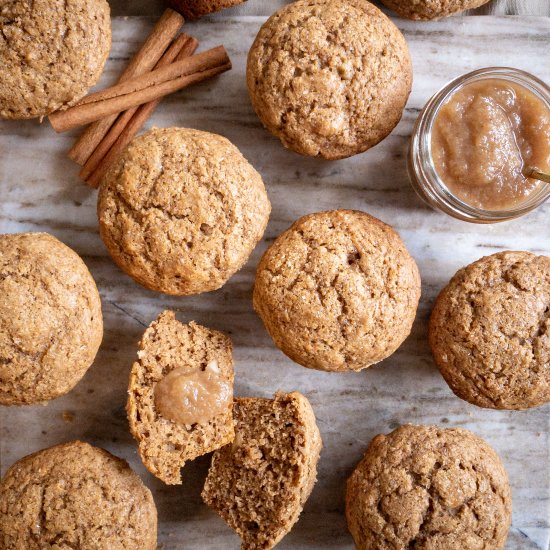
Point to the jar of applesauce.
(475, 142)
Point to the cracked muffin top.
(431, 9)
(51, 53)
(50, 318)
(181, 210)
(490, 331)
(426, 488)
(329, 78)
(75, 496)
(337, 291)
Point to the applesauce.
(484, 135)
(193, 397)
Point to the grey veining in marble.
(40, 191)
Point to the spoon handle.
(536, 174)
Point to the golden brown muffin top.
(51, 53)
(490, 331)
(75, 496)
(50, 318)
(181, 210)
(428, 488)
(337, 291)
(329, 78)
(431, 9)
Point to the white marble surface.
(40, 191)
(267, 7)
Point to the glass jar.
(422, 172)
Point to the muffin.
(490, 331)
(50, 318)
(180, 395)
(329, 78)
(75, 496)
(337, 291)
(428, 488)
(431, 9)
(51, 54)
(181, 210)
(260, 483)
(193, 9)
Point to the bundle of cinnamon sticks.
(165, 64)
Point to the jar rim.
(431, 188)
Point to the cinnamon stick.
(190, 65)
(137, 121)
(159, 39)
(142, 89)
(183, 44)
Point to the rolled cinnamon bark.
(142, 89)
(159, 39)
